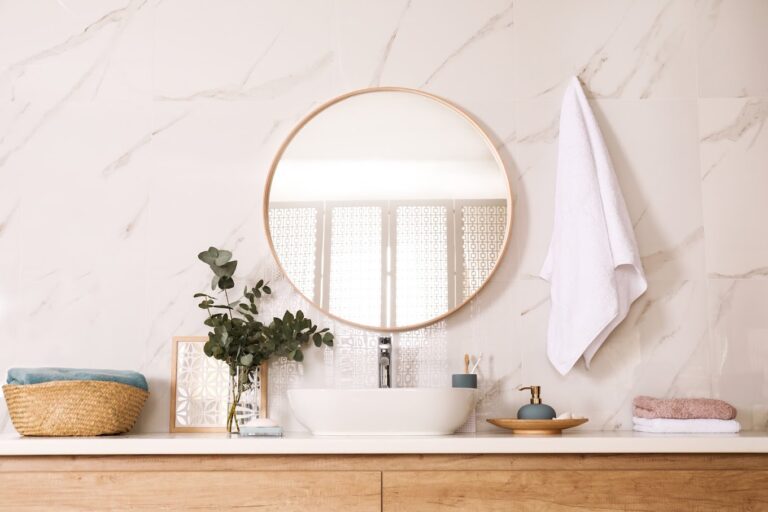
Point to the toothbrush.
(477, 363)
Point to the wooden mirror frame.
(441, 101)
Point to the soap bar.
(255, 431)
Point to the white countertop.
(294, 444)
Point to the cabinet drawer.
(556, 490)
(264, 491)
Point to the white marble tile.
(453, 48)
(365, 35)
(734, 177)
(732, 41)
(243, 50)
(654, 150)
(11, 319)
(619, 49)
(739, 331)
(75, 51)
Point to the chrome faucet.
(385, 362)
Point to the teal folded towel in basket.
(23, 376)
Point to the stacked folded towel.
(684, 415)
(26, 376)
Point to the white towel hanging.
(593, 264)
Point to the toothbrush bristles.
(477, 363)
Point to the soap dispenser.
(535, 410)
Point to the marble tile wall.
(133, 133)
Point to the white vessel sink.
(376, 412)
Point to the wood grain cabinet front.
(556, 491)
(201, 491)
(392, 483)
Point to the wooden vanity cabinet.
(422, 483)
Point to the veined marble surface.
(135, 133)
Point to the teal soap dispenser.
(535, 410)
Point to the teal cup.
(464, 380)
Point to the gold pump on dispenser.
(535, 410)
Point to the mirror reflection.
(388, 208)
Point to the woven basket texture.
(74, 408)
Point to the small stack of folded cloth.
(684, 415)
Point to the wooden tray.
(536, 427)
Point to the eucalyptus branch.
(238, 337)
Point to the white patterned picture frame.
(190, 367)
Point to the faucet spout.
(385, 362)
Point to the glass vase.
(247, 388)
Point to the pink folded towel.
(683, 408)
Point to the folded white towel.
(593, 263)
(698, 426)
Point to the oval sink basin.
(377, 412)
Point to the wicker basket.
(74, 407)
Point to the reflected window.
(389, 262)
(356, 263)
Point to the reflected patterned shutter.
(482, 225)
(295, 234)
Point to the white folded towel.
(593, 263)
(698, 426)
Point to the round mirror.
(388, 208)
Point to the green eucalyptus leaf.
(246, 360)
(227, 269)
(298, 355)
(209, 256)
(230, 267)
(226, 283)
(267, 290)
(222, 257)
